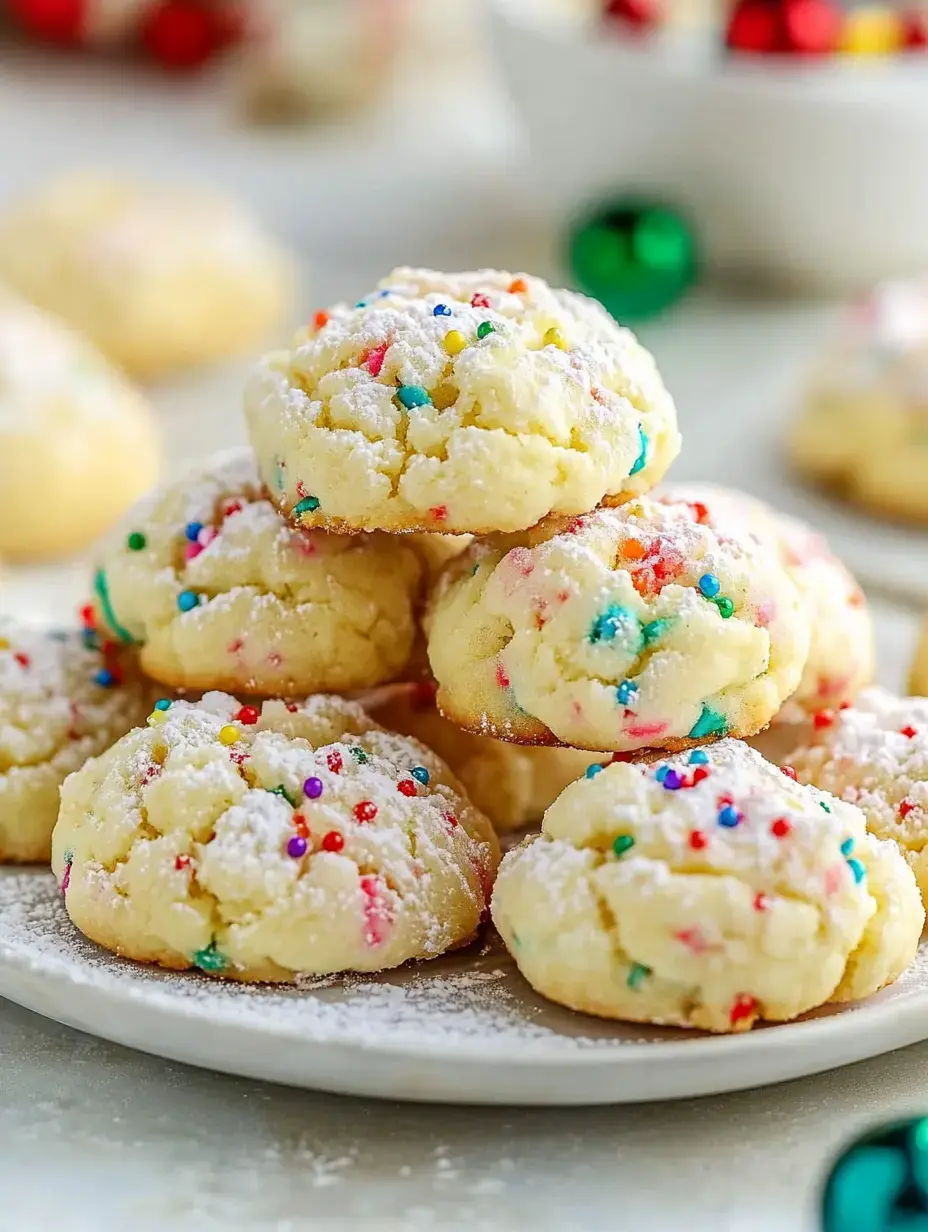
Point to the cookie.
(218, 591)
(62, 699)
(710, 891)
(630, 628)
(265, 845)
(841, 658)
(863, 427)
(875, 755)
(459, 402)
(160, 277)
(77, 443)
(511, 784)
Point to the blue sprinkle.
(672, 781)
(441, 310)
(90, 639)
(362, 303)
(847, 846)
(642, 458)
(163, 703)
(698, 758)
(627, 693)
(592, 771)
(105, 678)
(661, 773)
(420, 774)
(187, 600)
(412, 396)
(192, 530)
(729, 817)
(383, 294)
(615, 620)
(857, 869)
(710, 585)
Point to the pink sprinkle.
(66, 879)
(833, 878)
(521, 561)
(302, 544)
(439, 513)
(373, 359)
(576, 709)
(563, 596)
(234, 647)
(192, 550)
(377, 918)
(300, 490)
(206, 536)
(694, 940)
(765, 613)
(644, 731)
(501, 678)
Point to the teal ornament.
(880, 1182)
(637, 257)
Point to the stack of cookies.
(447, 539)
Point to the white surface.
(95, 1138)
(797, 171)
(464, 1029)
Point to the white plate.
(465, 1029)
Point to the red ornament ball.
(179, 34)
(56, 21)
(811, 27)
(640, 14)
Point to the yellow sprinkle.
(229, 734)
(455, 342)
(871, 32)
(157, 717)
(4, 644)
(554, 337)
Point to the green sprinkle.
(826, 807)
(637, 974)
(725, 606)
(359, 754)
(485, 328)
(655, 629)
(309, 504)
(209, 959)
(641, 460)
(622, 843)
(103, 594)
(282, 791)
(136, 541)
(709, 723)
(412, 396)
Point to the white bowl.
(809, 175)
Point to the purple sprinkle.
(672, 781)
(296, 847)
(312, 788)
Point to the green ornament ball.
(880, 1183)
(636, 257)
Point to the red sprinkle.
(292, 707)
(373, 359)
(181, 863)
(822, 719)
(366, 810)
(406, 787)
(789, 772)
(230, 507)
(479, 301)
(247, 715)
(334, 762)
(760, 902)
(909, 731)
(333, 841)
(700, 512)
(439, 512)
(906, 807)
(300, 825)
(320, 319)
(22, 659)
(501, 678)
(235, 646)
(698, 840)
(700, 774)
(450, 819)
(724, 801)
(780, 828)
(422, 694)
(88, 616)
(744, 1006)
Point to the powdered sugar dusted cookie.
(512, 784)
(863, 428)
(300, 839)
(62, 700)
(841, 651)
(158, 276)
(219, 591)
(626, 629)
(709, 890)
(459, 402)
(875, 755)
(77, 443)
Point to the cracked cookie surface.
(301, 839)
(469, 402)
(707, 890)
(218, 591)
(630, 628)
(62, 700)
